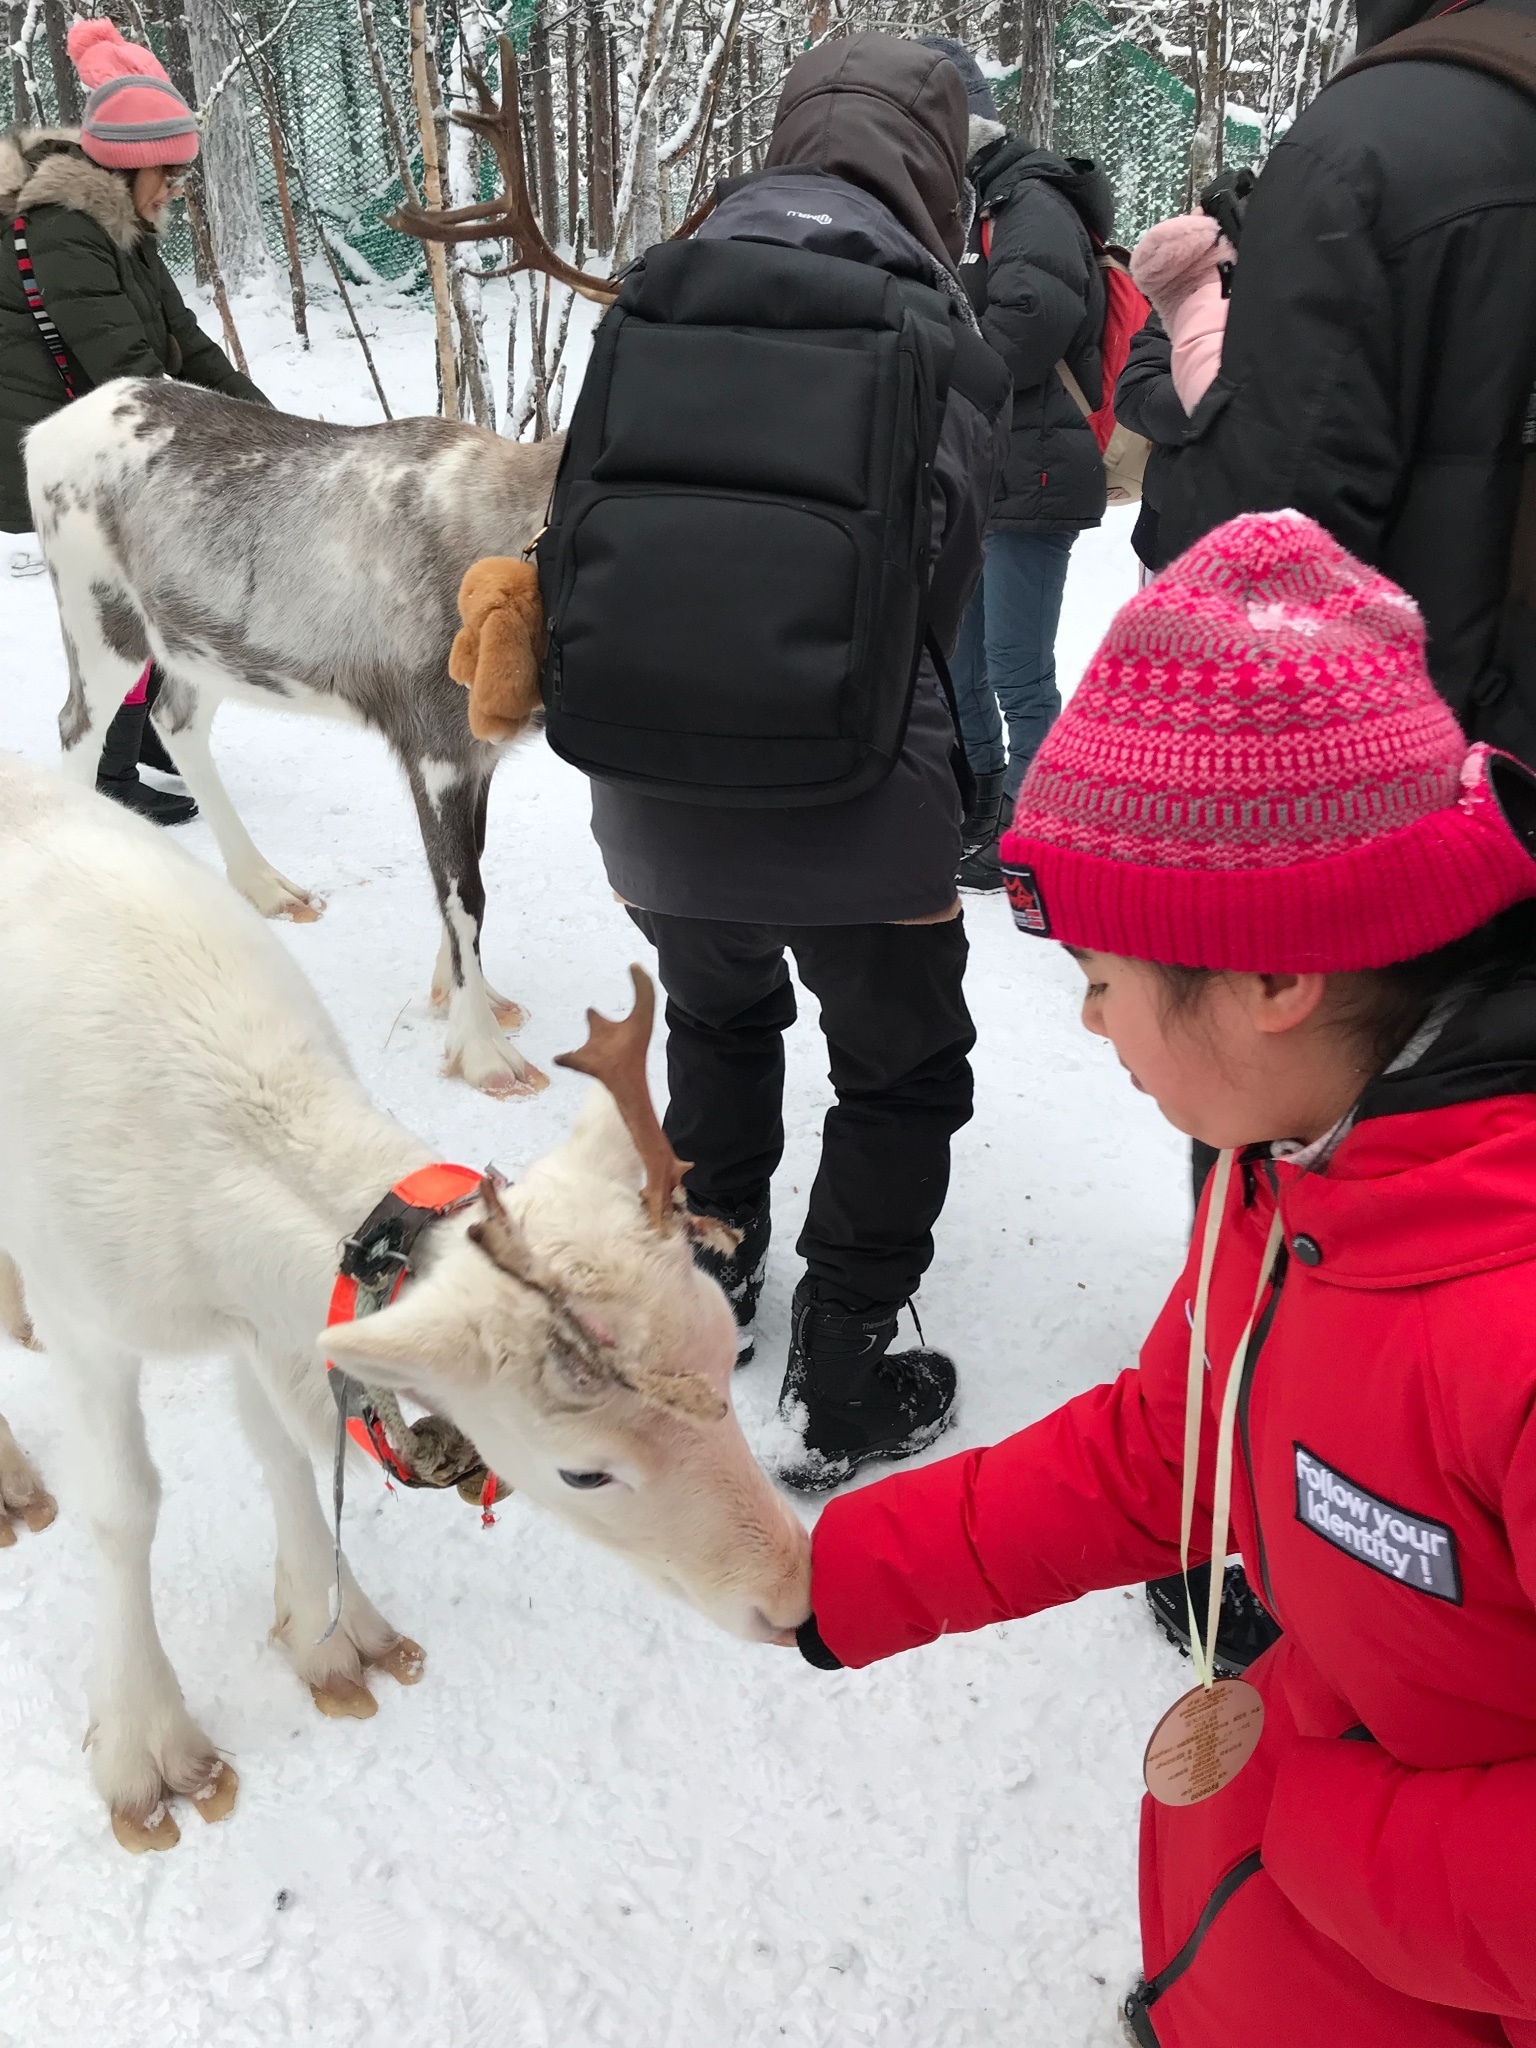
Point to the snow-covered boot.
(1246, 1628)
(739, 1273)
(849, 1397)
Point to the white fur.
(185, 1144)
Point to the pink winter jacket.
(1177, 264)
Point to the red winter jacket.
(1370, 1878)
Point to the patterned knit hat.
(1257, 774)
(134, 116)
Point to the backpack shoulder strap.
(53, 341)
(1481, 37)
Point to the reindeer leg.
(333, 1666)
(476, 1049)
(183, 717)
(144, 1744)
(510, 1015)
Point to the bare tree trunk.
(1037, 70)
(599, 135)
(432, 190)
(290, 226)
(66, 87)
(23, 110)
(391, 111)
(540, 75)
(463, 190)
(754, 89)
(228, 158)
(208, 262)
(1210, 98)
(572, 130)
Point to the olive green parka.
(105, 287)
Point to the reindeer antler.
(615, 1055)
(509, 216)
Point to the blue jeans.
(1004, 665)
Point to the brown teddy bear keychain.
(499, 650)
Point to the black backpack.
(735, 570)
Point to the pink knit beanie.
(1256, 773)
(134, 116)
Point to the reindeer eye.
(584, 1482)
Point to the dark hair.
(1382, 1007)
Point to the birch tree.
(228, 154)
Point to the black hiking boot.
(981, 871)
(849, 1397)
(118, 773)
(1246, 1628)
(739, 1274)
(983, 820)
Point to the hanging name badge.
(1202, 1742)
(1206, 1738)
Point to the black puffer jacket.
(105, 287)
(1147, 403)
(1040, 299)
(1381, 352)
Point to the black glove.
(1225, 199)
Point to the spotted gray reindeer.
(288, 562)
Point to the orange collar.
(375, 1265)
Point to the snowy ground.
(597, 1821)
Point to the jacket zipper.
(1146, 1994)
(1244, 1395)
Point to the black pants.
(898, 1035)
(122, 747)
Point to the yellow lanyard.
(1202, 1654)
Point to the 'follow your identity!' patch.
(1409, 1548)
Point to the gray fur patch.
(75, 718)
(121, 626)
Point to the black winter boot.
(983, 819)
(118, 774)
(849, 1397)
(1246, 1627)
(981, 871)
(739, 1273)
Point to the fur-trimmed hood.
(47, 167)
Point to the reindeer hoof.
(307, 912)
(515, 1087)
(7, 1533)
(216, 1799)
(403, 1660)
(158, 1830)
(39, 1512)
(509, 1015)
(343, 1699)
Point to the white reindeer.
(287, 562)
(22, 1493)
(185, 1149)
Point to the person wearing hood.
(1379, 359)
(87, 261)
(1031, 271)
(866, 163)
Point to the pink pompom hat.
(1257, 774)
(134, 115)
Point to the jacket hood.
(889, 116)
(47, 167)
(1080, 182)
(1434, 1179)
(977, 91)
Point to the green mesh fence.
(1118, 105)
(1115, 104)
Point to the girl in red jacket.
(1302, 909)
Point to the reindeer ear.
(501, 1239)
(419, 1336)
